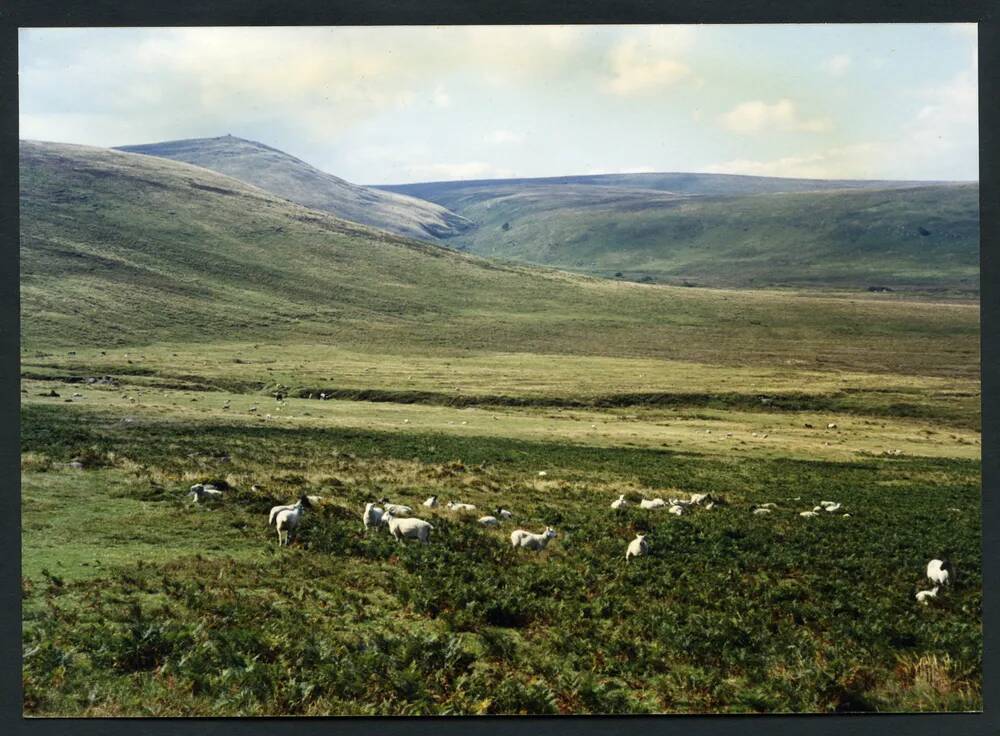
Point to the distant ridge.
(727, 230)
(286, 176)
(688, 183)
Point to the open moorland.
(182, 327)
(730, 231)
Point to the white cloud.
(756, 116)
(946, 127)
(837, 65)
(503, 136)
(649, 63)
(858, 161)
(455, 171)
(441, 98)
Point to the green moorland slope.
(286, 176)
(120, 249)
(680, 183)
(904, 237)
(180, 326)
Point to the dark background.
(48, 13)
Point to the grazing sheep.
(761, 511)
(456, 506)
(619, 502)
(808, 514)
(372, 516)
(941, 572)
(205, 493)
(504, 513)
(542, 473)
(656, 503)
(827, 503)
(395, 509)
(637, 547)
(528, 540)
(924, 596)
(769, 505)
(431, 502)
(489, 521)
(407, 528)
(286, 519)
(676, 510)
(833, 507)
(831, 425)
(699, 498)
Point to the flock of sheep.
(396, 518)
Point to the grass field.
(169, 337)
(138, 602)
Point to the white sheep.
(205, 493)
(407, 528)
(528, 540)
(637, 547)
(542, 473)
(286, 519)
(395, 509)
(761, 511)
(676, 510)
(924, 596)
(808, 514)
(769, 505)
(941, 572)
(503, 513)
(700, 498)
(655, 503)
(372, 516)
(619, 502)
(833, 507)
(456, 506)
(431, 502)
(489, 521)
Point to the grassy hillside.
(676, 182)
(120, 249)
(920, 238)
(181, 326)
(286, 176)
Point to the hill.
(676, 182)
(286, 176)
(727, 231)
(122, 249)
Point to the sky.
(389, 105)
